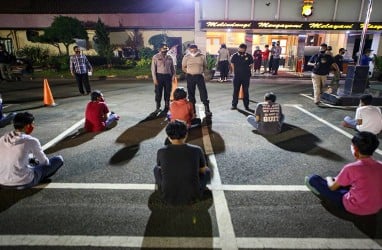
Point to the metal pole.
(364, 30)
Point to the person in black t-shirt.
(181, 172)
(321, 62)
(241, 64)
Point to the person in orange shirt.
(183, 110)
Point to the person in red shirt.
(265, 57)
(183, 110)
(97, 117)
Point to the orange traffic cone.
(174, 86)
(48, 97)
(241, 93)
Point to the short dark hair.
(323, 45)
(270, 96)
(223, 46)
(180, 93)
(95, 94)
(176, 130)
(243, 46)
(366, 99)
(193, 46)
(366, 142)
(75, 47)
(22, 119)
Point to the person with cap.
(322, 63)
(194, 64)
(366, 59)
(97, 115)
(241, 64)
(339, 58)
(23, 163)
(163, 72)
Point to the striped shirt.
(79, 64)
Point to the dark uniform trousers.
(192, 82)
(164, 82)
(237, 82)
(83, 81)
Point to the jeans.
(350, 121)
(110, 119)
(42, 172)
(321, 185)
(83, 80)
(204, 178)
(4, 121)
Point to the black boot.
(207, 110)
(166, 106)
(158, 107)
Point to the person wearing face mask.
(194, 64)
(322, 63)
(23, 163)
(97, 115)
(241, 64)
(338, 59)
(80, 68)
(163, 72)
(357, 189)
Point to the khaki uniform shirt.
(162, 65)
(194, 65)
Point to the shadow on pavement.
(9, 197)
(179, 221)
(80, 137)
(195, 137)
(133, 136)
(371, 225)
(295, 139)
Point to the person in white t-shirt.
(23, 163)
(367, 117)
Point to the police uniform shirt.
(242, 64)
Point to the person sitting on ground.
(23, 163)
(181, 172)
(268, 118)
(357, 189)
(5, 120)
(97, 117)
(183, 110)
(367, 117)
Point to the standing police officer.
(163, 72)
(241, 63)
(194, 64)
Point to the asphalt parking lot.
(103, 196)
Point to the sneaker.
(310, 187)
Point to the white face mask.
(193, 54)
(352, 150)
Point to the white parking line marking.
(348, 135)
(185, 242)
(215, 185)
(63, 134)
(223, 216)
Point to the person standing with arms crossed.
(163, 72)
(194, 64)
(80, 68)
(241, 64)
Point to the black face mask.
(164, 52)
(241, 53)
(322, 51)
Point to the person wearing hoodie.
(194, 64)
(5, 120)
(23, 163)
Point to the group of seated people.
(181, 172)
